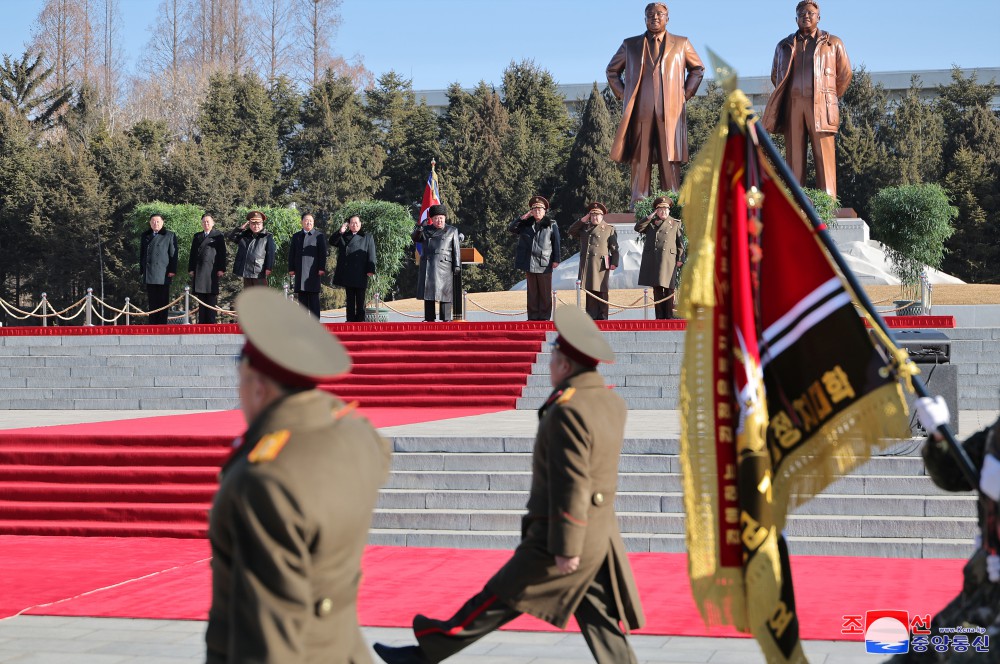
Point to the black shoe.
(400, 654)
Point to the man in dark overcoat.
(598, 257)
(355, 264)
(976, 608)
(654, 75)
(440, 262)
(810, 72)
(206, 263)
(158, 264)
(662, 254)
(255, 250)
(290, 520)
(571, 560)
(307, 254)
(537, 254)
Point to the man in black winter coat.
(158, 263)
(206, 263)
(254, 250)
(307, 255)
(537, 254)
(355, 263)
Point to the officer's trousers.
(596, 615)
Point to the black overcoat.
(207, 258)
(355, 259)
(158, 256)
(441, 258)
(307, 255)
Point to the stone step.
(949, 505)
(912, 547)
(172, 403)
(630, 462)
(666, 523)
(856, 485)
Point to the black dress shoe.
(400, 654)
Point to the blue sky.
(437, 42)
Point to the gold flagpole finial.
(725, 75)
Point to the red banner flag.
(782, 389)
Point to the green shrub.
(913, 222)
(391, 225)
(826, 206)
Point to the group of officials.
(254, 261)
(538, 247)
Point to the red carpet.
(143, 477)
(169, 579)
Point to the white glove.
(993, 567)
(932, 412)
(989, 477)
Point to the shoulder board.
(268, 447)
(566, 395)
(338, 413)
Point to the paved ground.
(53, 640)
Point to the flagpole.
(791, 182)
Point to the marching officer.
(662, 254)
(571, 560)
(598, 257)
(290, 520)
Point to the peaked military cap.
(662, 201)
(538, 201)
(579, 339)
(285, 343)
(256, 213)
(598, 207)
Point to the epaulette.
(268, 447)
(338, 413)
(566, 395)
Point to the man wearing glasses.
(648, 75)
(810, 73)
(254, 250)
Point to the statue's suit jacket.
(679, 59)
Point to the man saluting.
(571, 560)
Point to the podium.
(470, 256)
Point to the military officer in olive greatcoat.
(290, 519)
(571, 560)
(598, 257)
(662, 254)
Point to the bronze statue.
(810, 73)
(648, 75)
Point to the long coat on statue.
(442, 255)
(662, 248)
(206, 260)
(679, 73)
(571, 508)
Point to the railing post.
(187, 305)
(555, 303)
(378, 308)
(645, 304)
(128, 317)
(45, 306)
(465, 304)
(578, 284)
(285, 286)
(88, 318)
